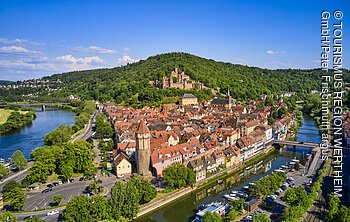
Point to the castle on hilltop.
(180, 81)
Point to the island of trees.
(17, 118)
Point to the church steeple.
(229, 99)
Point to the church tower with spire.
(143, 150)
(229, 100)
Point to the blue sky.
(39, 38)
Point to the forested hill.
(130, 85)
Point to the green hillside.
(130, 85)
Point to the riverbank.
(32, 135)
(15, 119)
(173, 196)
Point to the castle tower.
(143, 151)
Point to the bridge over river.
(43, 105)
(296, 143)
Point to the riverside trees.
(268, 184)
(336, 211)
(4, 171)
(18, 160)
(103, 127)
(299, 201)
(66, 159)
(177, 175)
(122, 206)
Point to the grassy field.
(5, 113)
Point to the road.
(87, 130)
(18, 177)
(37, 200)
(41, 214)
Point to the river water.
(32, 136)
(184, 209)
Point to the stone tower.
(143, 151)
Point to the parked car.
(49, 185)
(46, 190)
(53, 212)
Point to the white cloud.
(72, 63)
(26, 65)
(125, 59)
(18, 41)
(13, 49)
(271, 52)
(126, 49)
(96, 50)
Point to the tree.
(333, 207)
(295, 196)
(4, 171)
(67, 171)
(40, 171)
(146, 192)
(96, 187)
(8, 217)
(117, 199)
(60, 135)
(281, 112)
(16, 198)
(124, 201)
(10, 186)
(178, 175)
(18, 160)
(211, 217)
(343, 214)
(239, 205)
(103, 128)
(261, 218)
(232, 214)
(79, 154)
(90, 209)
(57, 199)
(131, 202)
(100, 208)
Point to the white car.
(53, 212)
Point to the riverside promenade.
(153, 205)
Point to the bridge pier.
(43, 107)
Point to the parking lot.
(38, 200)
(275, 205)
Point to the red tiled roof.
(142, 128)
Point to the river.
(183, 209)
(32, 136)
